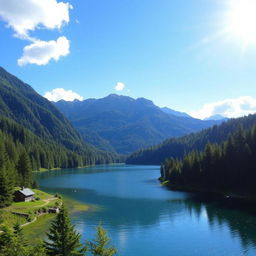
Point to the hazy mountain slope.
(126, 124)
(174, 112)
(178, 147)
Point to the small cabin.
(54, 210)
(24, 195)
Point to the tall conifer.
(63, 239)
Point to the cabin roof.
(26, 192)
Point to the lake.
(144, 218)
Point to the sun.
(241, 20)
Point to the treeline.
(62, 240)
(31, 123)
(45, 153)
(22, 152)
(179, 147)
(227, 167)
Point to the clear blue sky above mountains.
(181, 53)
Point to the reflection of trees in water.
(125, 212)
(238, 216)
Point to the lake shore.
(223, 195)
(39, 228)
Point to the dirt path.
(27, 223)
(47, 201)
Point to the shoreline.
(222, 195)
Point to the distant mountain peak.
(174, 112)
(124, 124)
(216, 117)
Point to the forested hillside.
(34, 135)
(20, 103)
(225, 167)
(178, 147)
(123, 124)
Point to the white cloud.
(229, 108)
(41, 52)
(28, 15)
(119, 86)
(62, 94)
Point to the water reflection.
(238, 216)
(137, 211)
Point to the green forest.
(21, 152)
(179, 147)
(62, 239)
(35, 135)
(227, 167)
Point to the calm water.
(144, 218)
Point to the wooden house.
(24, 195)
(54, 210)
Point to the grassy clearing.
(164, 183)
(42, 195)
(46, 170)
(46, 200)
(7, 218)
(39, 228)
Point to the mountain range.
(44, 132)
(179, 147)
(122, 124)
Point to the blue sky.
(179, 53)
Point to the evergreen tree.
(24, 170)
(99, 247)
(63, 239)
(38, 250)
(6, 181)
(227, 167)
(12, 243)
(5, 239)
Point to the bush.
(30, 217)
(57, 204)
(58, 196)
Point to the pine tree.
(99, 247)
(25, 170)
(12, 243)
(63, 239)
(38, 250)
(5, 239)
(6, 181)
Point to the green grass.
(26, 207)
(41, 194)
(8, 219)
(165, 182)
(46, 170)
(39, 228)
(75, 206)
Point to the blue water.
(144, 218)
